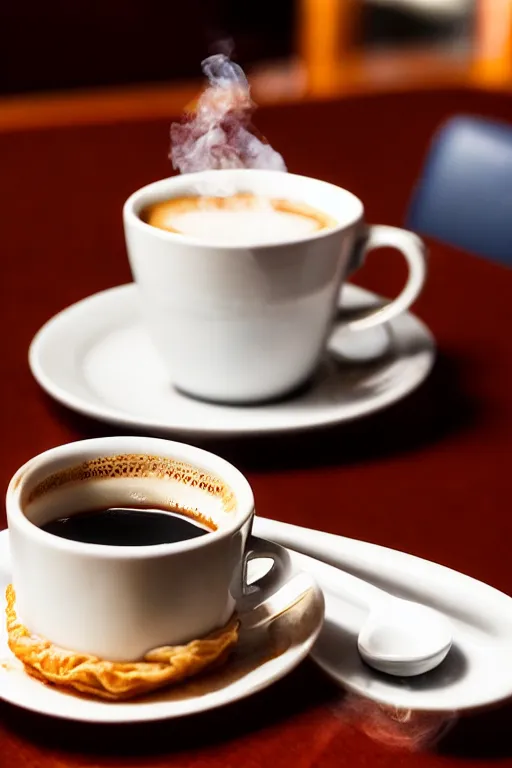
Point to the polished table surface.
(430, 475)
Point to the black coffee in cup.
(128, 527)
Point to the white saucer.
(478, 668)
(95, 358)
(290, 623)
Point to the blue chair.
(464, 196)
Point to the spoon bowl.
(403, 638)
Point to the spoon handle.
(327, 548)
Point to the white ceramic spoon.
(399, 637)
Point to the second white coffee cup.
(247, 323)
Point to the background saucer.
(96, 358)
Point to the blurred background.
(295, 48)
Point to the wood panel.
(327, 38)
(493, 42)
(333, 59)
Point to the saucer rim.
(110, 415)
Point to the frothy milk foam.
(243, 226)
(237, 219)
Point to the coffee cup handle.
(275, 577)
(415, 253)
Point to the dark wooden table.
(430, 475)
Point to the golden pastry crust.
(110, 680)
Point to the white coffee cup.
(118, 602)
(247, 323)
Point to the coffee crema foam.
(131, 480)
(237, 219)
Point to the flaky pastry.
(111, 680)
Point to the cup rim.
(106, 446)
(136, 200)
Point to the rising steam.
(218, 133)
(402, 729)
